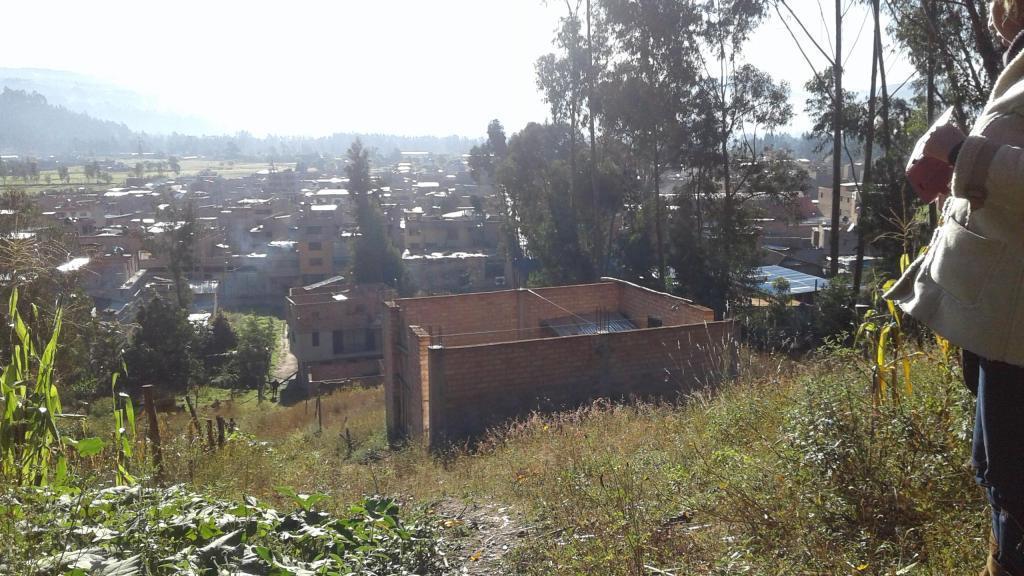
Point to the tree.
(375, 259)
(222, 335)
(569, 81)
(179, 244)
(951, 40)
(160, 352)
(64, 174)
(535, 175)
(252, 360)
(140, 169)
(33, 169)
(484, 160)
(649, 91)
(90, 171)
(174, 164)
(90, 348)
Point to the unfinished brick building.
(455, 365)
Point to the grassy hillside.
(790, 470)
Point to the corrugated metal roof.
(799, 283)
(323, 283)
(589, 324)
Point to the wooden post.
(192, 412)
(319, 412)
(153, 431)
(221, 425)
(209, 433)
(837, 144)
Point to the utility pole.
(868, 175)
(599, 260)
(933, 211)
(837, 142)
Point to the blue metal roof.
(799, 283)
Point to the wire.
(828, 33)
(562, 308)
(856, 40)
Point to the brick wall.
(493, 313)
(548, 303)
(490, 317)
(457, 364)
(486, 384)
(638, 304)
(406, 375)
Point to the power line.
(857, 39)
(562, 308)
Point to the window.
(654, 322)
(371, 339)
(338, 337)
(313, 229)
(316, 261)
(316, 246)
(316, 339)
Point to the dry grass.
(790, 470)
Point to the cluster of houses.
(258, 237)
(281, 241)
(796, 246)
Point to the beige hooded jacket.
(969, 284)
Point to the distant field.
(229, 169)
(225, 168)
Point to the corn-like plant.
(31, 447)
(882, 334)
(124, 433)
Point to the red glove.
(929, 177)
(930, 169)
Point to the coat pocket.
(964, 262)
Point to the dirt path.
(489, 533)
(288, 364)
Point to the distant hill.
(30, 125)
(101, 100)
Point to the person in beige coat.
(969, 284)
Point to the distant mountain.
(29, 125)
(101, 100)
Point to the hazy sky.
(316, 67)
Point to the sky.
(314, 67)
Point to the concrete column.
(390, 341)
(436, 411)
(521, 294)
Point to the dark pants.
(999, 450)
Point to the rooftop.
(799, 283)
(73, 265)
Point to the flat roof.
(799, 283)
(588, 324)
(73, 265)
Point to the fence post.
(319, 412)
(153, 431)
(192, 412)
(209, 433)
(221, 425)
